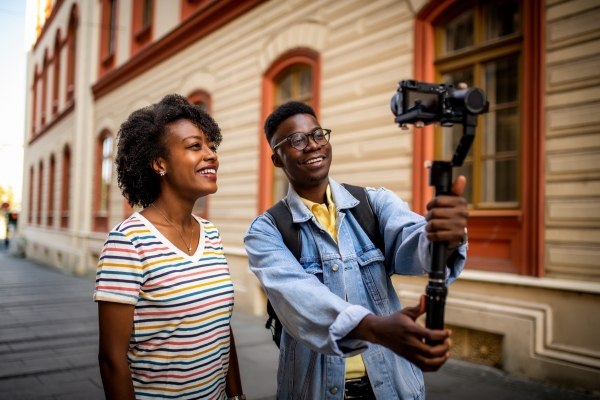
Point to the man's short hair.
(282, 113)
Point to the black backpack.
(290, 232)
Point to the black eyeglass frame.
(308, 136)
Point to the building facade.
(527, 299)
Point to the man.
(344, 331)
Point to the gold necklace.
(189, 248)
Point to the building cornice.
(57, 118)
(210, 17)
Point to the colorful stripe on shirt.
(179, 347)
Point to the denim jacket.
(309, 296)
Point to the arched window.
(495, 46)
(40, 191)
(34, 101)
(72, 52)
(295, 75)
(142, 24)
(201, 99)
(56, 73)
(108, 40)
(104, 168)
(30, 205)
(45, 116)
(64, 193)
(50, 204)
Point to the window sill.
(143, 35)
(108, 61)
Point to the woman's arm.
(233, 382)
(116, 324)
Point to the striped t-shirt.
(179, 347)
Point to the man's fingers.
(414, 312)
(459, 185)
(446, 202)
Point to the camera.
(422, 103)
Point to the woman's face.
(192, 164)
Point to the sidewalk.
(49, 334)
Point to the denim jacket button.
(333, 390)
(335, 267)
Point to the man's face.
(304, 168)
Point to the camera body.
(422, 103)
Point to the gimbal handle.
(440, 177)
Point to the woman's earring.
(162, 173)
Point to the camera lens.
(396, 103)
(474, 100)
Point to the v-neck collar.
(199, 249)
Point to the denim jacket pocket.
(374, 275)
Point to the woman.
(163, 287)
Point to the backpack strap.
(290, 233)
(364, 215)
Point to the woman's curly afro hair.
(142, 140)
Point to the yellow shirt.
(325, 214)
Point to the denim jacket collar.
(300, 213)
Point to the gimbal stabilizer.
(422, 104)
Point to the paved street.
(48, 347)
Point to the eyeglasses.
(299, 140)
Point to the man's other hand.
(447, 216)
(400, 333)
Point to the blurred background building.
(529, 299)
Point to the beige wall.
(573, 140)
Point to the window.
(34, 101)
(30, 205)
(50, 204)
(491, 168)
(143, 14)
(45, 88)
(293, 76)
(495, 46)
(146, 13)
(65, 181)
(71, 53)
(40, 191)
(294, 83)
(56, 78)
(109, 36)
(201, 99)
(104, 169)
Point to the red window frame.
(101, 218)
(107, 57)
(65, 186)
(50, 204)
(518, 234)
(141, 35)
(30, 205)
(56, 72)
(296, 56)
(71, 53)
(40, 192)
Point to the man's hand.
(447, 216)
(400, 333)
